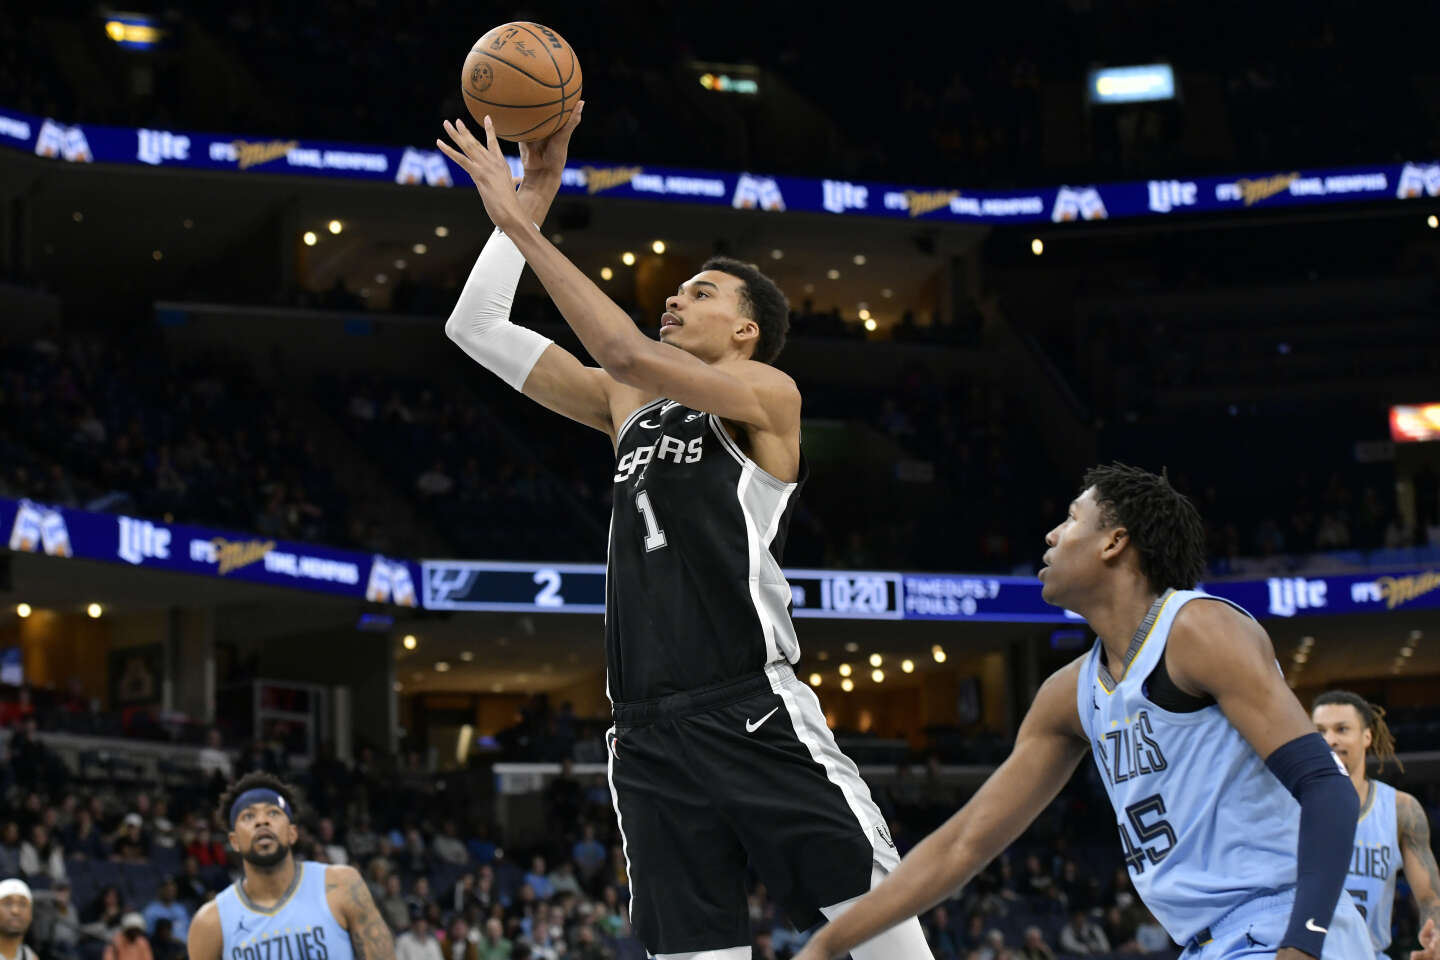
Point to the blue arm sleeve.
(1329, 807)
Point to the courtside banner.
(34, 527)
(252, 155)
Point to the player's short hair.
(1162, 523)
(259, 780)
(1382, 741)
(762, 301)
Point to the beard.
(266, 860)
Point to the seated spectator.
(166, 906)
(1082, 936)
(494, 945)
(588, 945)
(163, 943)
(208, 849)
(939, 935)
(393, 906)
(415, 858)
(102, 918)
(589, 855)
(57, 924)
(419, 897)
(994, 948)
(1035, 947)
(562, 879)
(130, 845)
(129, 943)
(335, 852)
(10, 849)
(162, 830)
(42, 855)
(447, 846)
(83, 840)
(418, 943)
(192, 888)
(1150, 937)
(362, 842)
(538, 880)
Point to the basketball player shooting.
(282, 907)
(1393, 832)
(719, 756)
(1235, 818)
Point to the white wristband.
(480, 322)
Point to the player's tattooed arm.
(1417, 856)
(369, 936)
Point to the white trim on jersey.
(634, 414)
(808, 719)
(611, 739)
(762, 506)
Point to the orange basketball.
(525, 77)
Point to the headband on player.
(15, 888)
(257, 795)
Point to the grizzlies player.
(1234, 816)
(281, 908)
(720, 758)
(1393, 832)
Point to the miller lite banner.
(251, 155)
(180, 548)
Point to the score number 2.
(549, 583)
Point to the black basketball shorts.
(747, 772)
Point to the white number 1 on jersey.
(654, 536)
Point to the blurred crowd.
(102, 847)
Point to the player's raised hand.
(487, 166)
(1429, 942)
(545, 158)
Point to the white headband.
(15, 888)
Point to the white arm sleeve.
(480, 322)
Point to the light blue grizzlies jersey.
(1205, 825)
(1376, 860)
(300, 927)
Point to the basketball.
(525, 77)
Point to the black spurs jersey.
(694, 592)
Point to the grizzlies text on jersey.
(1375, 862)
(694, 590)
(1206, 828)
(300, 927)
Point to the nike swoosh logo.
(752, 727)
(1310, 925)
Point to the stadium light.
(606, 273)
(1432, 221)
(938, 652)
(1138, 84)
(871, 326)
(442, 231)
(833, 274)
(876, 659)
(845, 670)
(157, 255)
(847, 684)
(859, 259)
(467, 655)
(335, 226)
(658, 246)
(777, 254)
(420, 249)
(1037, 246)
(864, 313)
(907, 666)
(95, 611)
(441, 666)
(310, 238)
(627, 258)
(887, 293)
(22, 610)
(878, 676)
(410, 643)
(816, 679)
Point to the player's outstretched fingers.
(462, 161)
(467, 140)
(492, 140)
